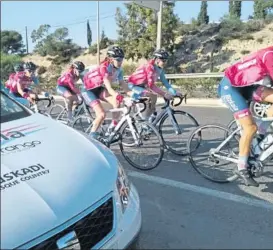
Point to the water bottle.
(152, 117)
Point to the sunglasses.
(118, 59)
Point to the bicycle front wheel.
(145, 148)
(205, 160)
(83, 123)
(177, 143)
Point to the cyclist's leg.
(237, 104)
(70, 97)
(104, 96)
(93, 101)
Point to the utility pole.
(159, 26)
(98, 32)
(26, 40)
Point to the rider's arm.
(20, 89)
(268, 62)
(72, 86)
(166, 83)
(107, 84)
(107, 80)
(122, 83)
(35, 79)
(151, 83)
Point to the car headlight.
(123, 187)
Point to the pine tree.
(89, 34)
(237, 8)
(203, 17)
(259, 9)
(230, 11)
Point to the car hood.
(49, 173)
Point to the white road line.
(170, 160)
(203, 190)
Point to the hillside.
(194, 50)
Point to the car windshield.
(10, 110)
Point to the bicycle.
(141, 132)
(174, 145)
(81, 108)
(43, 104)
(218, 152)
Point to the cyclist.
(66, 85)
(242, 82)
(98, 86)
(145, 77)
(17, 68)
(19, 88)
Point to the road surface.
(182, 210)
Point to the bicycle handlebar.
(49, 99)
(181, 98)
(140, 100)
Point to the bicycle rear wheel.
(177, 144)
(202, 158)
(151, 155)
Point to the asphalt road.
(181, 209)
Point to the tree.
(230, 11)
(237, 9)
(7, 64)
(259, 9)
(89, 34)
(137, 29)
(54, 44)
(60, 34)
(11, 42)
(203, 17)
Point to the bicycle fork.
(133, 130)
(174, 122)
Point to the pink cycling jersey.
(68, 79)
(95, 78)
(251, 68)
(22, 79)
(145, 74)
(9, 82)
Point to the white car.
(60, 188)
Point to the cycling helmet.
(19, 67)
(30, 66)
(115, 52)
(161, 54)
(78, 66)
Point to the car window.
(10, 110)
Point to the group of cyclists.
(243, 81)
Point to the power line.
(70, 24)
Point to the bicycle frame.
(125, 117)
(169, 112)
(263, 157)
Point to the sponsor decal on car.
(11, 134)
(16, 177)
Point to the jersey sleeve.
(166, 83)
(268, 62)
(71, 84)
(120, 75)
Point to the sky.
(16, 15)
